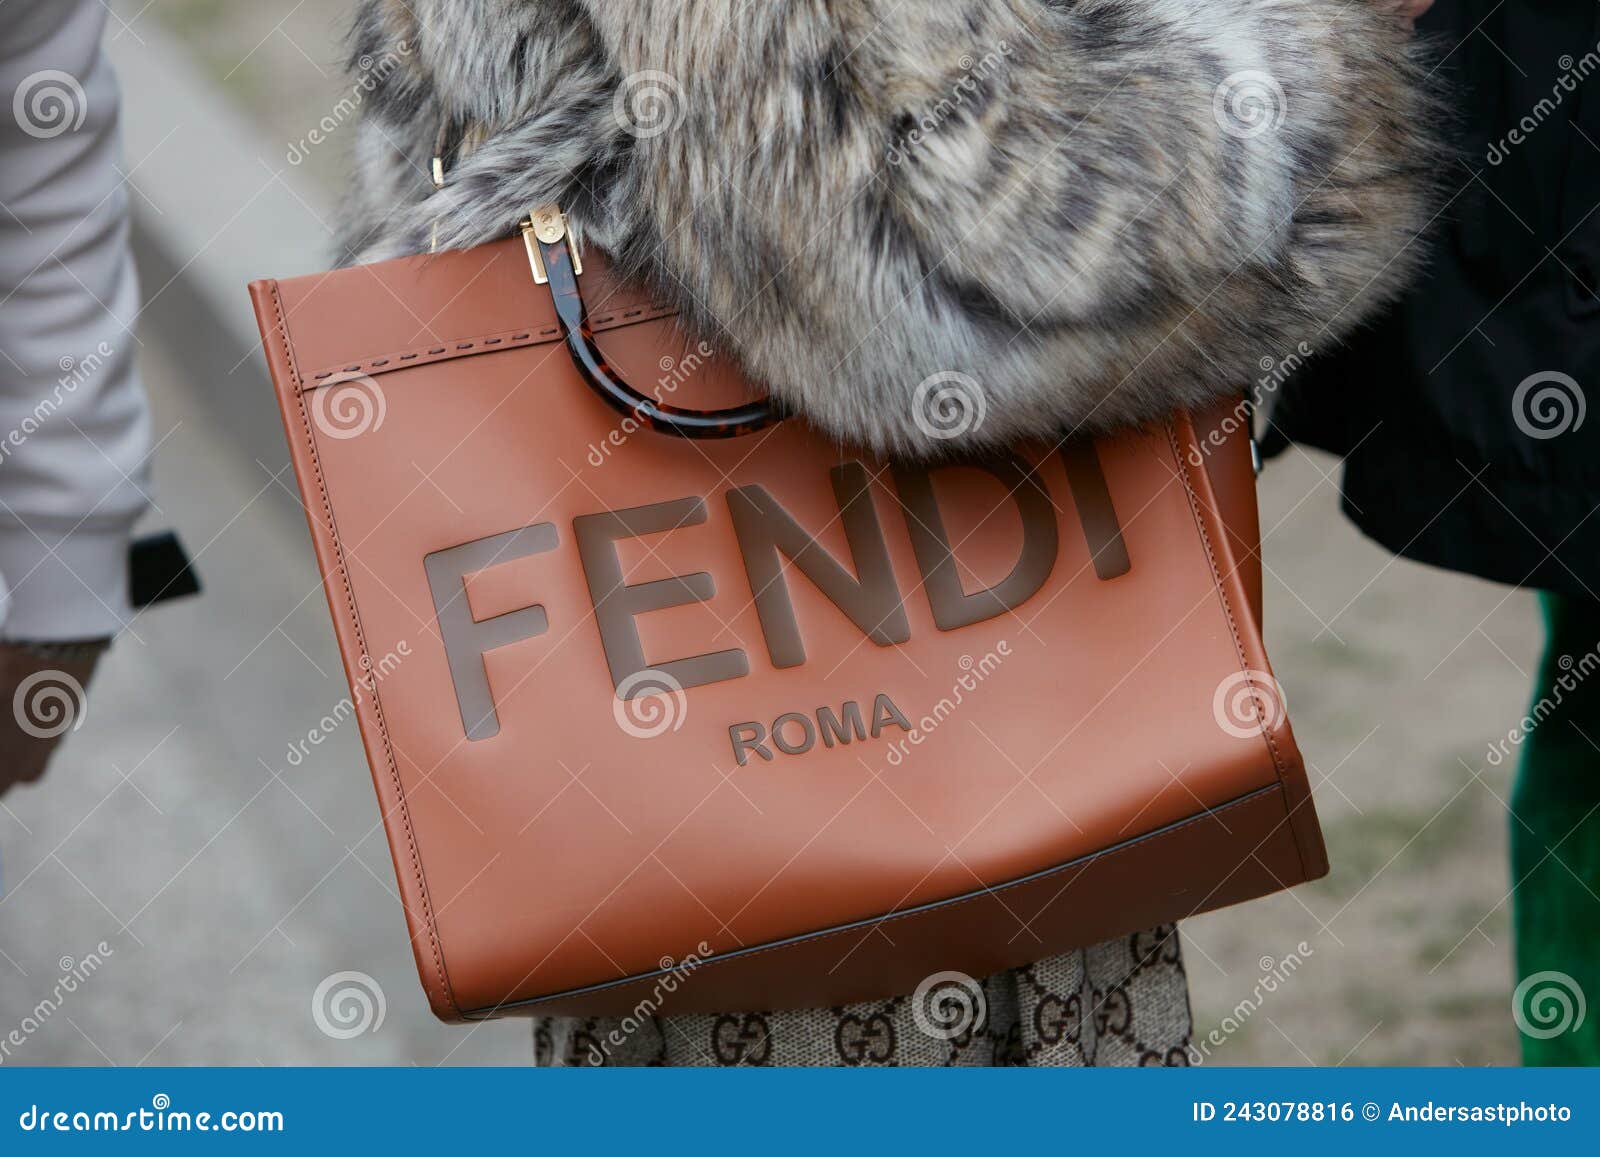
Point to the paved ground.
(1398, 677)
(229, 880)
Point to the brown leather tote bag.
(692, 709)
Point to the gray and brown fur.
(854, 195)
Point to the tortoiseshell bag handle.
(555, 262)
(553, 255)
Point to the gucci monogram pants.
(1124, 1002)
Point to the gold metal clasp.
(472, 136)
(438, 183)
(548, 224)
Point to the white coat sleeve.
(74, 429)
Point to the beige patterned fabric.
(1124, 1002)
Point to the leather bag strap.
(553, 255)
(554, 258)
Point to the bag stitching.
(1233, 627)
(384, 363)
(818, 937)
(943, 906)
(355, 621)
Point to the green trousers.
(1555, 846)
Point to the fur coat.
(927, 224)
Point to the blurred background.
(219, 865)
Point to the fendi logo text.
(862, 586)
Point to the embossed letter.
(872, 601)
(952, 606)
(467, 640)
(616, 602)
